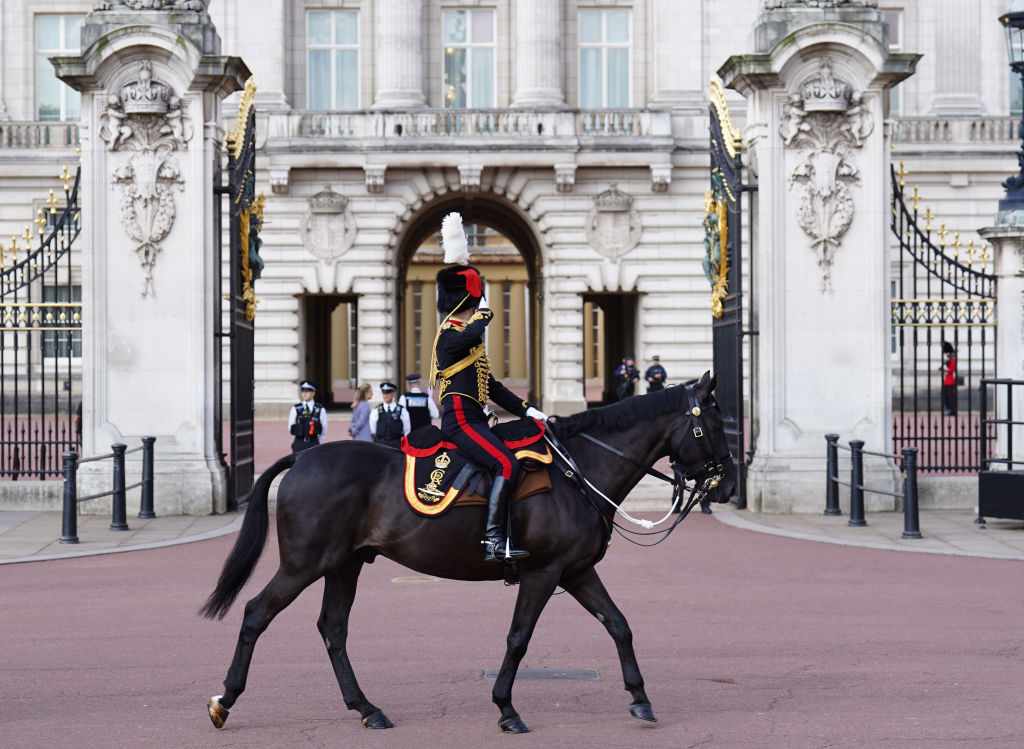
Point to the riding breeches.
(464, 423)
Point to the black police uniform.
(307, 426)
(389, 426)
(417, 406)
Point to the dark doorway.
(329, 344)
(612, 335)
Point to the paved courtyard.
(746, 639)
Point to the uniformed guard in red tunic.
(462, 375)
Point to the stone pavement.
(34, 536)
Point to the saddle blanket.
(438, 474)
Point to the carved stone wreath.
(826, 120)
(328, 229)
(149, 122)
(613, 224)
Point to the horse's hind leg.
(590, 592)
(339, 592)
(534, 592)
(282, 589)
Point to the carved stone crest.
(613, 223)
(826, 120)
(146, 120)
(773, 4)
(150, 4)
(328, 229)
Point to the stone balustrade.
(35, 135)
(960, 131)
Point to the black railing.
(908, 466)
(943, 297)
(41, 341)
(119, 520)
(990, 424)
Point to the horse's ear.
(704, 387)
(714, 382)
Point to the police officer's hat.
(412, 377)
(307, 385)
(387, 387)
(628, 356)
(655, 358)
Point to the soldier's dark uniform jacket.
(389, 426)
(465, 384)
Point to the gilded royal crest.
(431, 493)
(442, 461)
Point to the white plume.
(453, 240)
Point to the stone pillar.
(815, 89)
(1007, 242)
(151, 82)
(398, 54)
(539, 69)
(958, 69)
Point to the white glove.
(534, 413)
(482, 304)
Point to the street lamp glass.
(1013, 22)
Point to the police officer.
(460, 368)
(627, 375)
(419, 405)
(307, 421)
(655, 375)
(389, 422)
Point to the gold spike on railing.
(65, 178)
(902, 173)
(942, 233)
(916, 197)
(928, 218)
(52, 202)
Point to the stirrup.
(500, 550)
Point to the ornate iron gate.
(246, 218)
(41, 341)
(723, 268)
(942, 294)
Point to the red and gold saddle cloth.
(438, 476)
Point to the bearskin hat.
(458, 287)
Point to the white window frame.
(63, 49)
(604, 46)
(333, 47)
(469, 46)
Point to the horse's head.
(699, 448)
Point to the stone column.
(151, 82)
(815, 87)
(399, 33)
(538, 52)
(958, 70)
(1007, 242)
(679, 44)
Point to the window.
(332, 42)
(468, 58)
(894, 19)
(56, 35)
(604, 57)
(62, 343)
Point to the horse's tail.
(241, 562)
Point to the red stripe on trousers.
(460, 417)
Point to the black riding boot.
(497, 544)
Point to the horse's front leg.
(534, 592)
(339, 593)
(589, 591)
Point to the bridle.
(705, 477)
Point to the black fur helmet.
(458, 287)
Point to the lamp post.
(1013, 22)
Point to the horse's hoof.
(513, 725)
(377, 720)
(218, 713)
(642, 711)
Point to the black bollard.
(146, 502)
(119, 518)
(832, 475)
(857, 484)
(911, 524)
(69, 529)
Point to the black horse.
(346, 506)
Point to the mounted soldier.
(389, 421)
(420, 406)
(463, 376)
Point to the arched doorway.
(505, 248)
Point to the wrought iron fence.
(41, 340)
(943, 300)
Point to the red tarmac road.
(745, 641)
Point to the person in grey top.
(359, 427)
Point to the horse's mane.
(624, 414)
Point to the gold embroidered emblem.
(431, 493)
(442, 461)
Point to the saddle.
(439, 476)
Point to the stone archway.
(507, 220)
